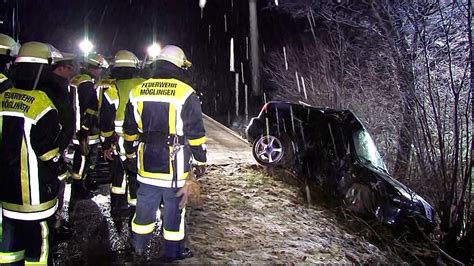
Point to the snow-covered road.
(225, 146)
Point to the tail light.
(264, 110)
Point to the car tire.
(359, 199)
(270, 150)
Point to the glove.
(66, 168)
(109, 145)
(131, 164)
(199, 170)
(60, 168)
(110, 141)
(190, 192)
(108, 153)
(83, 137)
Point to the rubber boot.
(119, 205)
(79, 190)
(174, 250)
(130, 217)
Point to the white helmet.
(174, 55)
(58, 56)
(8, 46)
(124, 58)
(35, 52)
(96, 60)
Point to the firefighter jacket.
(5, 83)
(86, 106)
(29, 169)
(102, 86)
(2, 77)
(164, 115)
(114, 101)
(57, 89)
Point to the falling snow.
(232, 63)
(284, 56)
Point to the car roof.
(348, 115)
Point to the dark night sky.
(132, 24)
(113, 25)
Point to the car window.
(366, 149)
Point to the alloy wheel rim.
(269, 149)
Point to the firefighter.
(86, 139)
(8, 49)
(164, 131)
(124, 76)
(62, 72)
(31, 167)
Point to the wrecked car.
(333, 150)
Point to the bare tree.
(410, 58)
(376, 42)
(471, 59)
(443, 133)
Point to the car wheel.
(270, 150)
(359, 199)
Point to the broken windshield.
(366, 149)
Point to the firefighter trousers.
(118, 191)
(124, 186)
(26, 242)
(81, 163)
(61, 211)
(1, 227)
(149, 199)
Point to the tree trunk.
(406, 132)
(471, 44)
(254, 49)
(394, 35)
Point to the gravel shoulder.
(250, 217)
(247, 216)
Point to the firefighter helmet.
(8, 46)
(57, 55)
(36, 52)
(175, 55)
(124, 58)
(96, 60)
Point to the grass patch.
(240, 202)
(256, 178)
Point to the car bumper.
(254, 129)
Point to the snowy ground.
(247, 217)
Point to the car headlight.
(401, 202)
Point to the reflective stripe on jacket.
(165, 116)
(29, 126)
(85, 106)
(2, 77)
(115, 100)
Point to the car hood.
(403, 190)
